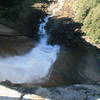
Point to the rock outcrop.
(13, 43)
(14, 46)
(6, 31)
(74, 92)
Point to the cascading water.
(36, 64)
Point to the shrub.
(88, 13)
(83, 8)
(10, 9)
(91, 24)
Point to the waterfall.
(35, 65)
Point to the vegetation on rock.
(10, 9)
(87, 12)
(91, 24)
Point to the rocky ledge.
(74, 92)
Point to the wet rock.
(6, 31)
(74, 92)
(15, 45)
(8, 94)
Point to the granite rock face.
(74, 92)
(6, 31)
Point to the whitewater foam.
(34, 65)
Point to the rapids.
(36, 64)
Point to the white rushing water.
(35, 65)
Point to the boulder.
(73, 92)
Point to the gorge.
(44, 54)
(69, 60)
(35, 65)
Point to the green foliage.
(10, 9)
(10, 3)
(83, 8)
(91, 24)
(88, 13)
(10, 13)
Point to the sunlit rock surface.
(74, 92)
